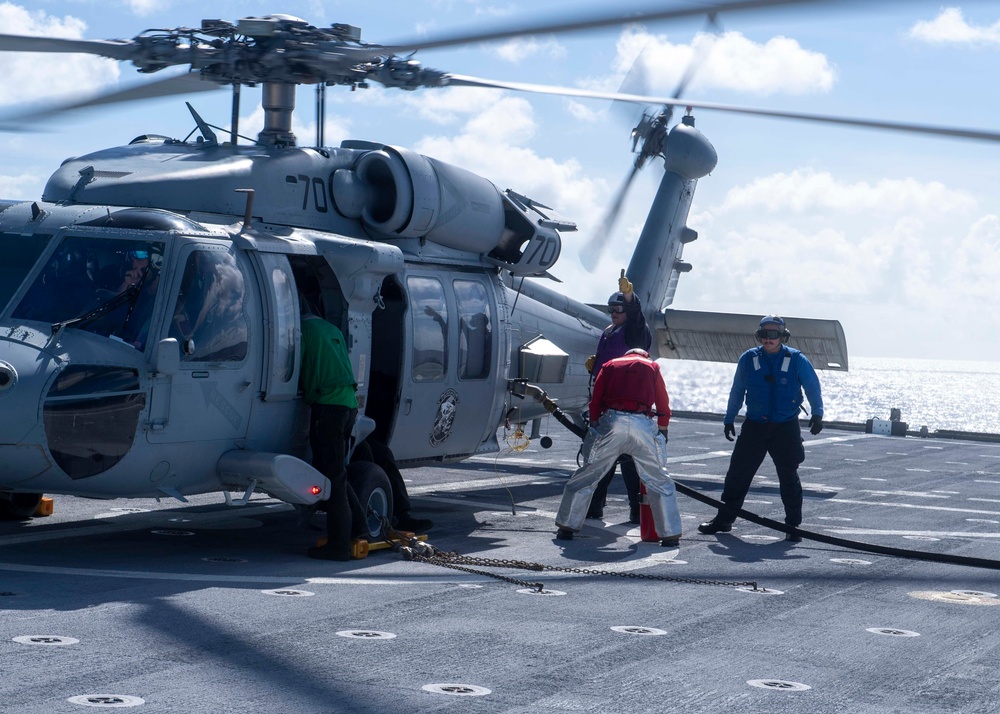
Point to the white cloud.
(951, 27)
(728, 61)
(31, 76)
(22, 186)
(144, 7)
(584, 113)
(807, 191)
(523, 48)
(887, 258)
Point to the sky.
(895, 235)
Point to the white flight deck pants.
(620, 433)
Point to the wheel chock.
(46, 507)
(382, 545)
(361, 547)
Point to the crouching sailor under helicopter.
(627, 330)
(623, 421)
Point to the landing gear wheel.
(372, 488)
(18, 506)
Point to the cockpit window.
(209, 319)
(20, 253)
(85, 274)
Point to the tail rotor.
(649, 140)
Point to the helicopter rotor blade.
(700, 55)
(169, 86)
(599, 239)
(112, 49)
(599, 21)
(958, 132)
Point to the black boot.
(716, 525)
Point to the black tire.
(18, 506)
(372, 488)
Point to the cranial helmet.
(617, 298)
(772, 322)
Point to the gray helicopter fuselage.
(187, 262)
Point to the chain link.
(452, 557)
(423, 552)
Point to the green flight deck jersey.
(326, 376)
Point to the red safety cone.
(647, 528)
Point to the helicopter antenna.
(203, 127)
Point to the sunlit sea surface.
(949, 395)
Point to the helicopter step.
(283, 476)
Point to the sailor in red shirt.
(629, 414)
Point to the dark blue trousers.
(329, 433)
(783, 442)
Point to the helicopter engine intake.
(398, 193)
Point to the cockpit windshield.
(20, 253)
(84, 273)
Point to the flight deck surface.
(200, 607)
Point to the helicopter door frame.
(280, 366)
(218, 383)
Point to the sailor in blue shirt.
(771, 379)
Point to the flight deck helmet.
(770, 323)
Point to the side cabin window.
(209, 319)
(475, 339)
(110, 284)
(429, 310)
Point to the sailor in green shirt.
(327, 382)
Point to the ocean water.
(939, 394)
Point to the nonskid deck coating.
(235, 618)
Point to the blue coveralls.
(772, 386)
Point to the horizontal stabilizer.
(723, 337)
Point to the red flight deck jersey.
(632, 383)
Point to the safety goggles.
(616, 310)
(763, 334)
(138, 255)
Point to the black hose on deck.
(526, 389)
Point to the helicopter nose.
(21, 385)
(25, 369)
(8, 377)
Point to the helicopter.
(149, 336)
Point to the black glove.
(815, 424)
(729, 430)
(663, 433)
